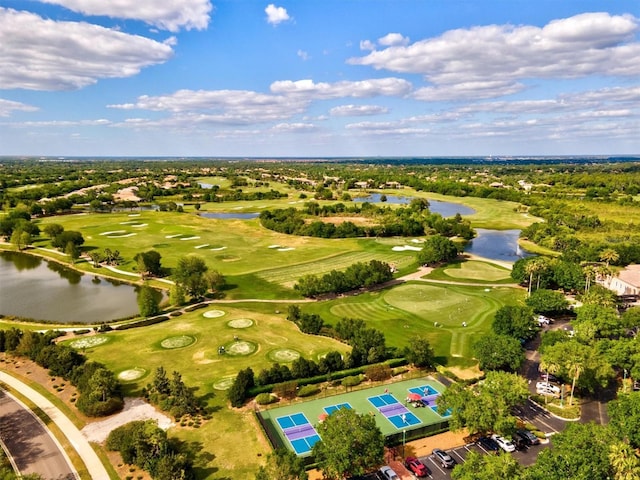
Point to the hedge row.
(143, 323)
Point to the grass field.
(472, 271)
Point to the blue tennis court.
(446, 414)
(301, 434)
(404, 420)
(382, 400)
(332, 408)
(424, 390)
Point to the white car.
(388, 473)
(546, 388)
(506, 445)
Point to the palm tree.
(589, 275)
(609, 255)
(625, 463)
(532, 267)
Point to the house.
(627, 282)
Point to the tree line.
(356, 276)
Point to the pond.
(230, 215)
(497, 245)
(43, 290)
(446, 209)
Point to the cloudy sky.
(319, 77)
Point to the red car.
(418, 468)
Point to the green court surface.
(390, 405)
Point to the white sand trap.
(134, 409)
(286, 249)
(275, 246)
(240, 323)
(403, 248)
(237, 208)
(138, 225)
(202, 246)
(129, 222)
(190, 238)
(213, 314)
(113, 232)
(122, 236)
(218, 249)
(416, 240)
(174, 236)
(133, 215)
(131, 374)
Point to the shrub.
(265, 399)
(308, 390)
(352, 381)
(378, 372)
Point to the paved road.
(30, 443)
(91, 460)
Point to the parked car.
(418, 468)
(528, 436)
(542, 320)
(549, 377)
(445, 460)
(387, 473)
(489, 444)
(546, 388)
(504, 443)
(519, 441)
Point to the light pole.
(404, 438)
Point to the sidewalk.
(91, 461)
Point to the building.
(627, 282)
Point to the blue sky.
(319, 78)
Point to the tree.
(488, 467)
(515, 321)
(239, 390)
(60, 241)
(547, 301)
(533, 267)
(20, 239)
(189, 273)
(436, 249)
(624, 415)
(581, 451)
(215, 280)
(177, 295)
(419, 352)
(624, 462)
(103, 384)
(282, 464)
(148, 263)
(52, 230)
(148, 301)
(609, 255)
(350, 444)
(498, 352)
(72, 251)
(95, 258)
(485, 406)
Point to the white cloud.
(359, 89)
(367, 45)
(169, 15)
(393, 39)
(303, 55)
(276, 15)
(357, 110)
(504, 55)
(9, 106)
(293, 127)
(40, 54)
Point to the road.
(32, 447)
(91, 460)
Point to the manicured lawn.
(472, 271)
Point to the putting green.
(177, 342)
(240, 347)
(477, 271)
(89, 342)
(213, 313)
(285, 355)
(240, 323)
(131, 374)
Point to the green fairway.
(472, 271)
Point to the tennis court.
(300, 433)
(295, 425)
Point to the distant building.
(627, 282)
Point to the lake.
(44, 290)
(446, 209)
(497, 245)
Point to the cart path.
(92, 462)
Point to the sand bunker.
(275, 246)
(89, 342)
(133, 215)
(240, 323)
(177, 342)
(213, 314)
(286, 249)
(113, 232)
(190, 238)
(175, 235)
(138, 225)
(217, 249)
(131, 374)
(404, 248)
(122, 236)
(202, 246)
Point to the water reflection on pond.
(45, 290)
(446, 209)
(497, 245)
